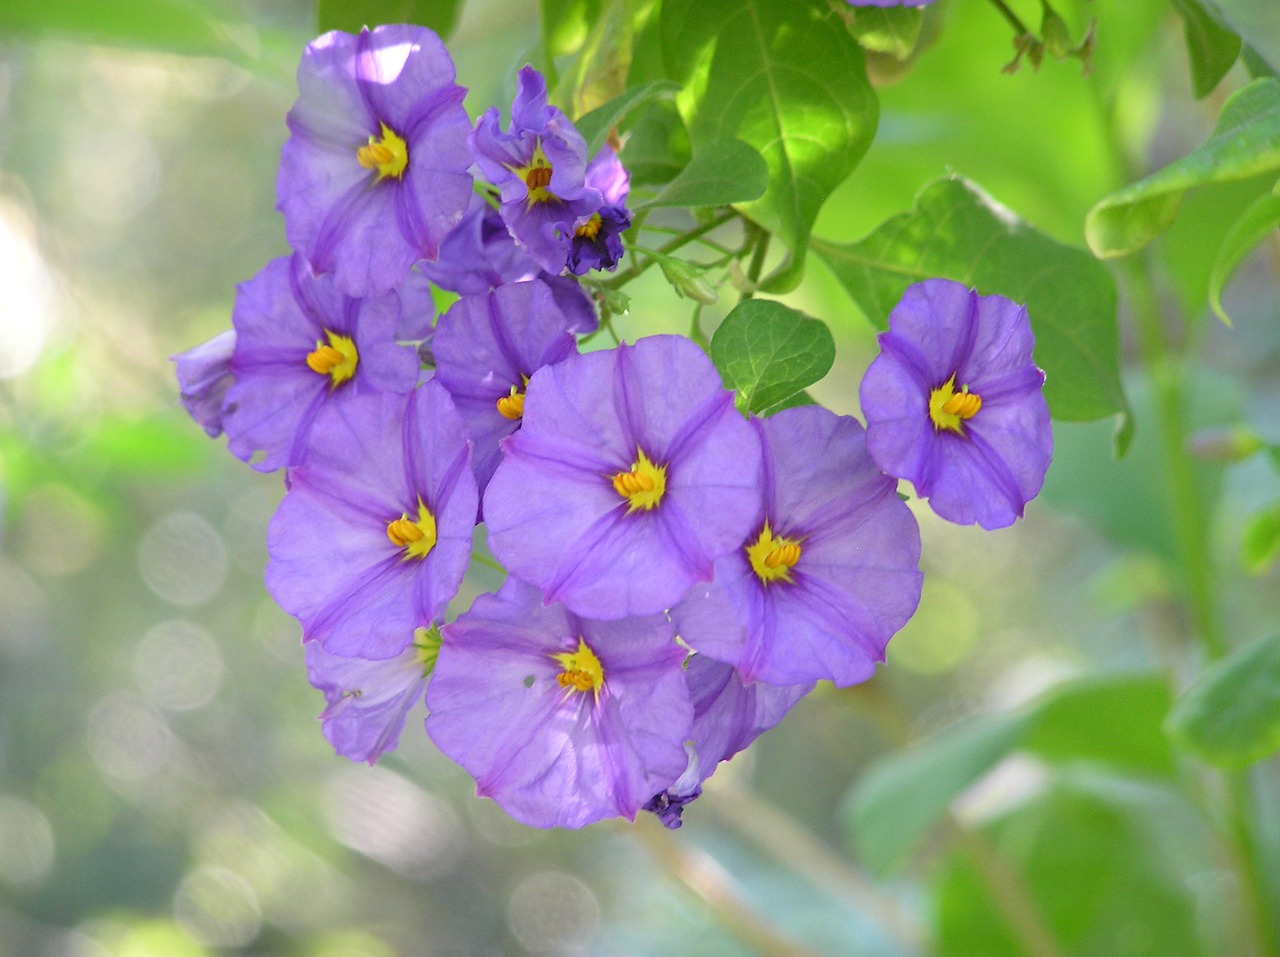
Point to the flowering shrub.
(684, 564)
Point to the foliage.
(1127, 809)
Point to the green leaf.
(1257, 21)
(958, 232)
(1260, 545)
(899, 798)
(890, 30)
(722, 172)
(1213, 48)
(183, 26)
(1231, 714)
(566, 23)
(768, 352)
(777, 75)
(1095, 874)
(1244, 143)
(595, 126)
(351, 15)
(1115, 719)
(1246, 232)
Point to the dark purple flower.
(955, 404)
(631, 474)
(597, 240)
(539, 166)
(830, 569)
(574, 301)
(486, 348)
(368, 699)
(204, 376)
(300, 344)
(727, 716)
(561, 720)
(374, 173)
(374, 535)
(479, 254)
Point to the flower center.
(426, 647)
(511, 406)
(644, 486)
(948, 408)
(590, 229)
(337, 359)
(389, 155)
(773, 558)
(416, 536)
(537, 176)
(580, 670)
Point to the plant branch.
(700, 873)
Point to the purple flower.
(479, 254)
(955, 404)
(300, 344)
(374, 535)
(539, 166)
(829, 571)
(204, 376)
(561, 720)
(727, 716)
(486, 348)
(597, 240)
(368, 699)
(631, 474)
(374, 173)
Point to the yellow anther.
(580, 670)
(512, 406)
(785, 555)
(949, 408)
(388, 155)
(404, 532)
(963, 404)
(590, 229)
(773, 558)
(337, 359)
(416, 536)
(644, 485)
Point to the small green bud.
(687, 280)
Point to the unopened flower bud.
(687, 280)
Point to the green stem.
(714, 886)
(757, 265)
(1009, 893)
(695, 329)
(795, 846)
(620, 280)
(1190, 513)
(1190, 521)
(1011, 17)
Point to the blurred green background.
(164, 787)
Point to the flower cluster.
(679, 575)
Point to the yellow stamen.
(948, 408)
(581, 670)
(512, 406)
(416, 537)
(773, 558)
(536, 176)
(337, 359)
(389, 155)
(644, 485)
(590, 229)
